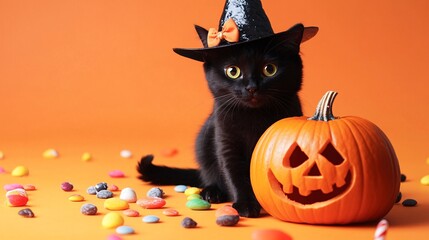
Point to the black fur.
(243, 109)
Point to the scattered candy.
(194, 196)
(180, 188)
(112, 220)
(198, 204)
(227, 220)
(425, 180)
(124, 230)
(409, 203)
(129, 195)
(1, 155)
(100, 186)
(169, 152)
(150, 219)
(50, 154)
(86, 157)
(66, 186)
(113, 188)
(115, 204)
(113, 237)
(91, 190)
(126, 154)
(88, 209)
(192, 190)
(29, 187)
(399, 197)
(170, 212)
(76, 198)
(381, 230)
(116, 174)
(26, 212)
(226, 210)
(12, 186)
(131, 213)
(270, 234)
(17, 197)
(104, 194)
(151, 203)
(188, 223)
(2, 170)
(155, 192)
(20, 171)
(403, 177)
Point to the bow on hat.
(229, 32)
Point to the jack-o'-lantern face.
(312, 176)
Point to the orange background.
(100, 76)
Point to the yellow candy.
(194, 196)
(1, 155)
(76, 198)
(50, 153)
(116, 204)
(112, 220)
(425, 180)
(192, 190)
(20, 171)
(86, 157)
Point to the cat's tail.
(163, 175)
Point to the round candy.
(112, 220)
(150, 219)
(226, 210)
(113, 237)
(104, 194)
(2, 170)
(129, 195)
(26, 212)
(116, 174)
(155, 192)
(425, 180)
(192, 190)
(123, 230)
(86, 157)
(1, 155)
(88, 209)
(409, 203)
(50, 153)
(115, 204)
(101, 186)
(20, 171)
(270, 234)
(113, 188)
(91, 190)
(17, 197)
(170, 212)
(188, 223)
(180, 188)
(12, 186)
(198, 204)
(227, 220)
(66, 186)
(29, 187)
(151, 203)
(76, 198)
(403, 177)
(126, 154)
(131, 213)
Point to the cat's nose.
(251, 89)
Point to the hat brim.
(199, 54)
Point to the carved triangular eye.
(332, 155)
(297, 158)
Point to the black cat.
(255, 82)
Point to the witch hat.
(242, 22)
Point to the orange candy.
(226, 210)
(270, 234)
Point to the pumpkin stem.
(324, 107)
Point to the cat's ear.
(202, 33)
(293, 36)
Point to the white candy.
(128, 195)
(126, 154)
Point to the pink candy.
(151, 203)
(116, 174)
(12, 186)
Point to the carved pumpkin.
(325, 170)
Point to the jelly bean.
(112, 220)
(88, 209)
(155, 192)
(86, 157)
(66, 186)
(170, 212)
(198, 204)
(115, 204)
(20, 171)
(50, 153)
(116, 174)
(129, 195)
(124, 230)
(227, 220)
(180, 188)
(26, 212)
(398, 198)
(270, 234)
(403, 177)
(169, 152)
(1, 155)
(17, 197)
(409, 203)
(131, 213)
(425, 180)
(2, 170)
(188, 223)
(194, 196)
(76, 198)
(126, 154)
(192, 190)
(29, 187)
(12, 186)
(113, 237)
(226, 210)
(150, 219)
(151, 203)
(113, 187)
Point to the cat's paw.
(146, 169)
(213, 194)
(249, 209)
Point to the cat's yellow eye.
(269, 70)
(233, 72)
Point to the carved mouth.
(315, 196)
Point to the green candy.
(198, 204)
